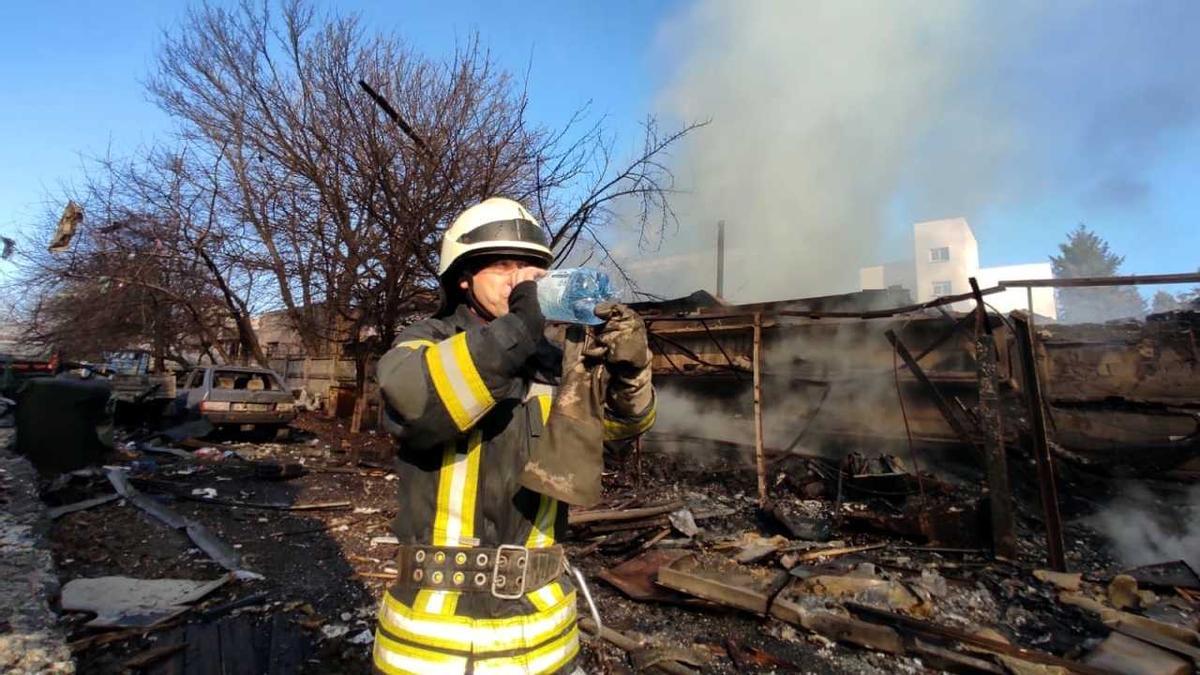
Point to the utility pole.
(721, 259)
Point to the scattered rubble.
(30, 638)
(187, 551)
(122, 602)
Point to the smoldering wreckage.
(839, 484)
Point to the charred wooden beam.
(760, 462)
(943, 405)
(630, 645)
(609, 515)
(1081, 282)
(1047, 485)
(1004, 539)
(748, 311)
(917, 627)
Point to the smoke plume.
(1145, 529)
(836, 125)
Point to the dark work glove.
(523, 303)
(624, 336)
(516, 335)
(627, 357)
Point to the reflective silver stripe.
(457, 381)
(477, 635)
(545, 659)
(397, 658)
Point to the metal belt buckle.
(506, 595)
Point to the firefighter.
(468, 393)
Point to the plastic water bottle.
(570, 295)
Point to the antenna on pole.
(721, 259)
(395, 116)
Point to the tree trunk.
(246, 335)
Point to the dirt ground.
(323, 572)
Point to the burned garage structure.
(841, 484)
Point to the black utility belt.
(507, 571)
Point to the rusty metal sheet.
(635, 578)
(717, 579)
(1174, 574)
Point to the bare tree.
(146, 270)
(342, 207)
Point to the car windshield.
(236, 379)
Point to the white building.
(945, 256)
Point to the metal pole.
(720, 259)
(1029, 299)
(1041, 446)
(759, 455)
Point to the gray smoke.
(835, 125)
(1145, 528)
(860, 391)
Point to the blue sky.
(72, 73)
(1080, 92)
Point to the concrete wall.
(954, 234)
(315, 380)
(1044, 303)
(870, 278)
(896, 273)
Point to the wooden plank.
(921, 628)
(720, 592)
(261, 634)
(935, 394)
(153, 656)
(237, 647)
(622, 641)
(760, 601)
(748, 311)
(172, 665)
(287, 647)
(582, 517)
(1119, 653)
(1081, 282)
(1004, 538)
(202, 656)
(1047, 484)
(1159, 640)
(760, 462)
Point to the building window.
(939, 254)
(941, 288)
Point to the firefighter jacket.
(466, 400)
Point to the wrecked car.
(238, 398)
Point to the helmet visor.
(517, 229)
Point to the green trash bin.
(63, 423)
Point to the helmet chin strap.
(474, 303)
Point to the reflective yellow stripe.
(436, 602)
(431, 630)
(462, 356)
(457, 381)
(458, 486)
(615, 430)
(545, 659)
(416, 344)
(541, 532)
(479, 636)
(547, 596)
(544, 403)
(397, 658)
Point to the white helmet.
(495, 226)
